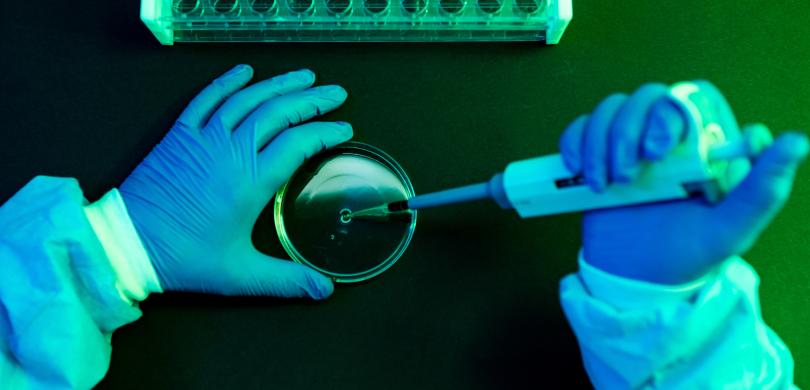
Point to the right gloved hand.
(679, 241)
(195, 198)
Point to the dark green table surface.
(86, 91)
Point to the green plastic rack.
(356, 20)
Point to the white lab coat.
(62, 290)
(708, 334)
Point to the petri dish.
(312, 213)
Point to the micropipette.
(544, 186)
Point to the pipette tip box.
(356, 20)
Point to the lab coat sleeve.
(705, 334)
(70, 274)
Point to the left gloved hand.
(196, 196)
(679, 241)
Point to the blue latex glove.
(196, 196)
(679, 241)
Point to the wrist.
(136, 277)
(630, 293)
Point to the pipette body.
(544, 186)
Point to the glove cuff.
(629, 294)
(124, 249)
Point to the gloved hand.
(195, 198)
(679, 241)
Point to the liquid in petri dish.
(313, 213)
(345, 216)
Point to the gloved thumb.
(259, 274)
(750, 207)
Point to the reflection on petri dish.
(313, 213)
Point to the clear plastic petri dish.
(312, 213)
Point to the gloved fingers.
(666, 127)
(751, 206)
(259, 274)
(595, 145)
(279, 113)
(627, 130)
(203, 105)
(242, 103)
(756, 138)
(279, 160)
(571, 145)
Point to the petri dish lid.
(311, 213)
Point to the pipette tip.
(401, 205)
(382, 211)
